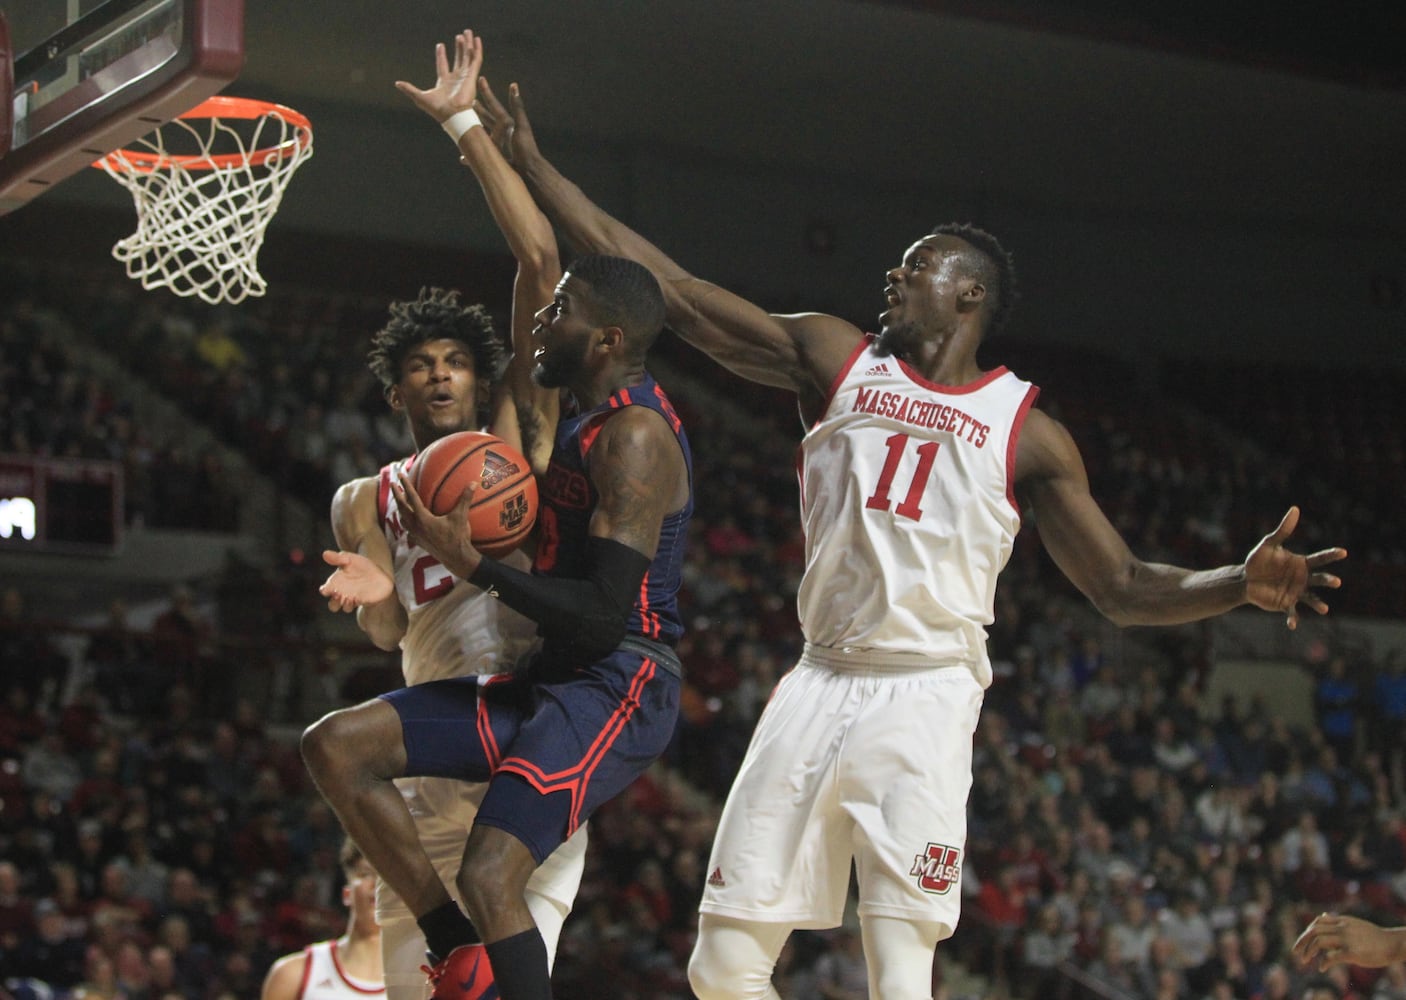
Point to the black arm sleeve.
(587, 614)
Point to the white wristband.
(460, 122)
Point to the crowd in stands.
(159, 840)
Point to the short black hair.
(623, 293)
(992, 264)
(436, 314)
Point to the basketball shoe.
(464, 975)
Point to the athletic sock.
(520, 966)
(446, 928)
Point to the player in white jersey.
(913, 462)
(343, 968)
(436, 359)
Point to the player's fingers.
(1315, 602)
(519, 109)
(1326, 556)
(1287, 525)
(473, 56)
(405, 494)
(333, 557)
(490, 101)
(441, 59)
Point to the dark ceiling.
(1359, 43)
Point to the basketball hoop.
(205, 194)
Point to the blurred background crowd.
(1133, 832)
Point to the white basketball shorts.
(857, 757)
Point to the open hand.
(455, 86)
(1279, 580)
(356, 581)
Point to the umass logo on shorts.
(938, 869)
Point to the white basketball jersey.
(325, 979)
(455, 629)
(908, 510)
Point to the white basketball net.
(201, 219)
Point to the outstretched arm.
(1335, 939)
(1052, 482)
(525, 414)
(801, 352)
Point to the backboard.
(90, 76)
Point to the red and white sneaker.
(464, 975)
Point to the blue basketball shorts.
(552, 753)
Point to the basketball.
(504, 507)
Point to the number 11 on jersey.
(909, 508)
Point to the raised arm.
(800, 352)
(524, 414)
(1052, 482)
(362, 580)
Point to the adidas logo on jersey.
(326, 984)
(716, 879)
(879, 369)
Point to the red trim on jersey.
(951, 390)
(667, 408)
(574, 779)
(383, 496)
(307, 972)
(863, 345)
(591, 429)
(1020, 414)
(346, 979)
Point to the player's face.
(922, 296)
(438, 389)
(562, 335)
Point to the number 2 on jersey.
(909, 508)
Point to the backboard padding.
(95, 94)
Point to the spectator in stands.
(51, 954)
(1045, 944)
(1189, 931)
(1337, 703)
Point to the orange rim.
(126, 160)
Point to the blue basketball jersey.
(568, 499)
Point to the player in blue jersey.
(597, 703)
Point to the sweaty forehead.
(572, 287)
(939, 245)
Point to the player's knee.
(719, 973)
(496, 867)
(339, 747)
(318, 747)
(899, 954)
